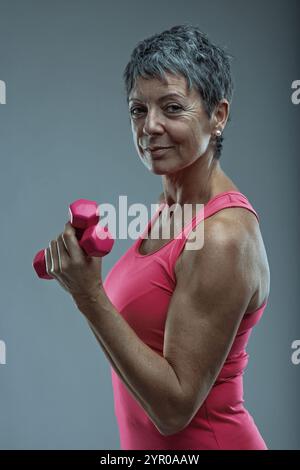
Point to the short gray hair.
(185, 50)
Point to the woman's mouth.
(158, 152)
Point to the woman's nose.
(153, 123)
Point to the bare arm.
(156, 404)
(147, 375)
(214, 287)
(100, 342)
(110, 359)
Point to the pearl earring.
(218, 132)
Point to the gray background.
(65, 134)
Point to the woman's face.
(178, 121)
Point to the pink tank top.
(140, 287)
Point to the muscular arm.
(214, 287)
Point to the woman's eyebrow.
(161, 98)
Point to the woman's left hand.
(77, 273)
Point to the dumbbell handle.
(39, 261)
(94, 240)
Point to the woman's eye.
(134, 109)
(174, 106)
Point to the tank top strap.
(219, 202)
(223, 200)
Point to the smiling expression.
(168, 115)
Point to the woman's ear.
(221, 114)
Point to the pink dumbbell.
(93, 239)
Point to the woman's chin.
(159, 167)
(160, 170)
(157, 171)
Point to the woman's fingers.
(48, 261)
(55, 264)
(52, 261)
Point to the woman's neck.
(192, 186)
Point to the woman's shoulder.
(243, 226)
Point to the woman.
(174, 322)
